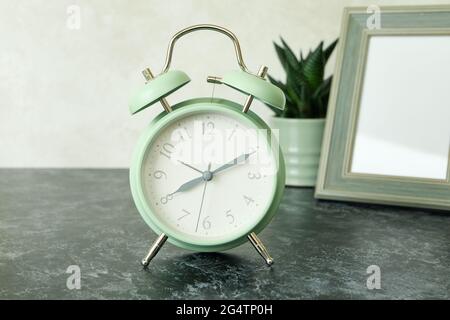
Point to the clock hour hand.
(241, 158)
(188, 185)
(189, 166)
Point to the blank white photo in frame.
(403, 121)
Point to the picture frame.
(373, 150)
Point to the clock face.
(209, 175)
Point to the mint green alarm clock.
(207, 174)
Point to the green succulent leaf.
(281, 56)
(323, 89)
(290, 56)
(321, 95)
(329, 50)
(306, 90)
(314, 66)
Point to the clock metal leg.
(261, 73)
(259, 246)
(148, 75)
(154, 249)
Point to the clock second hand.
(201, 203)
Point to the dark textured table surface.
(51, 219)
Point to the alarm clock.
(207, 174)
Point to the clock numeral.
(165, 199)
(208, 127)
(254, 175)
(182, 134)
(187, 213)
(158, 174)
(167, 150)
(248, 200)
(206, 223)
(229, 216)
(187, 133)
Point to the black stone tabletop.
(51, 219)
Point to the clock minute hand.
(233, 162)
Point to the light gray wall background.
(64, 92)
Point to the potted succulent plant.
(301, 123)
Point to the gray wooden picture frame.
(335, 181)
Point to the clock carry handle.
(211, 27)
(237, 48)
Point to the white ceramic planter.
(300, 140)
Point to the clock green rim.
(181, 109)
